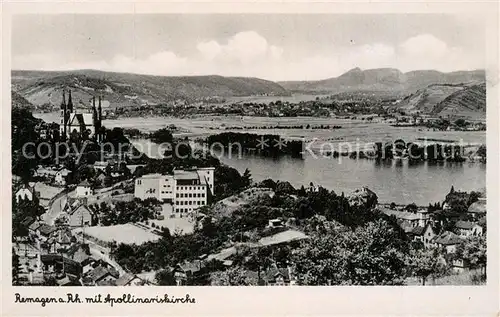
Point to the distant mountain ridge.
(45, 87)
(384, 79)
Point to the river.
(396, 181)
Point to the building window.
(176, 202)
(177, 195)
(190, 195)
(138, 182)
(202, 194)
(190, 202)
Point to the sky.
(275, 47)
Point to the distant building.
(424, 234)
(60, 176)
(467, 229)
(81, 216)
(83, 189)
(26, 192)
(447, 240)
(187, 190)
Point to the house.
(278, 277)
(61, 176)
(424, 234)
(102, 275)
(184, 271)
(467, 229)
(447, 240)
(80, 253)
(477, 209)
(129, 280)
(26, 192)
(80, 216)
(101, 165)
(100, 177)
(33, 229)
(56, 264)
(409, 219)
(275, 223)
(83, 189)
(59, 241)
(45, 231)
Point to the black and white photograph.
(239, 149)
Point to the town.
(109, 218)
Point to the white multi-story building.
(186, 190)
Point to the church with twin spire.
(86, 124)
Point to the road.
(99, 252)
(55, 209)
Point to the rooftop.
(447, 238)
(465, 225)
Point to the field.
(184, 225)
(126, 233)
(352, 131)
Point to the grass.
(472, 277)
(125, 233)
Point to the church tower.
(70, 103)
(63, 115)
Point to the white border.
(233, 301)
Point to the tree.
(246, 178)
(15, 268)
(424, 263)
(473, 251)
(234, 276)
(372, 254)
(165, 277)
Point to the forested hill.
(45, 87)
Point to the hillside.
(124, 89)
(425, 99)
(383, 79)
(19, 101)
(469, 102)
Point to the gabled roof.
(85, 183)
(100, 272)
(28, 221)
(35, 225)
(193, 266)
(79, 208)
(418, 230)
(46, 229)
(479, 207)
(126, 279)
(273, 273)
(447, 238)
(465, 225)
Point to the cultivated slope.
(469, 102)
(122, 89)
(424, 100)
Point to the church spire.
(70, 102)
(100, 110)
(63, 102)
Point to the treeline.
(247, 224)
(265, 145)
(414, 152)
(284, 127)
